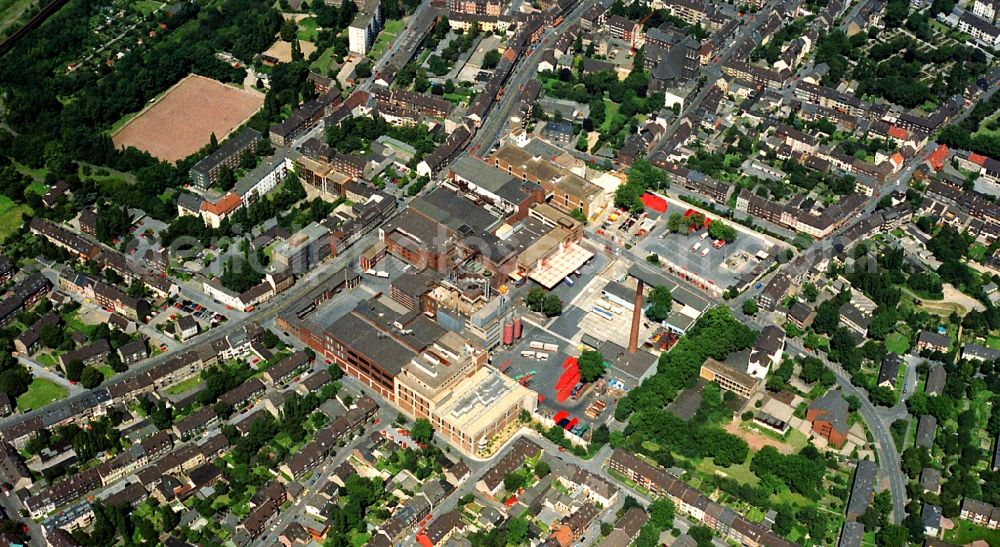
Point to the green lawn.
(358, 539)
(107, 371)
(184, 386)
(993, 342)
(610, 112)
(40, 393)
(47, 360)
(388, 34)
(146, 7)
(74, 323)
(977, 252)
(307, 29)
(897, 343)
(460, 95)
(739, 473)
(965, 532)
(37, 174)
(38, 188)
(11, 11)
(10, 216)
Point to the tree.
(51, 336)
(491, 59)
(552, 306)
(535, 299)
(827, 317)
(660, 301)
(542, 469)
(514, 480)
(649, 536)
(661, 513)
(784, 521)
(892, 535)
(591, 366)
(720, 230)
(702, 535)
(750, 307)
(676, 223)
(517, 530)
(809, 291)
(288, 31)
(422, 431)
(73, 370)
(91, 377)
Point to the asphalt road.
(526, 70)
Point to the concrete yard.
(547, 374)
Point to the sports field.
(183, 120)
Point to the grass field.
(38, 188)
(965, 532)
(146, 7)
(10, 216)
(322, 63)
(47, 360)
(37, 174)
(993, 342)
(40, 393)
(388, 34)
(897, 343)
(184, 386)
(610, 112)
(107, 371)
(460, 95)
(11, 11)
(739, 473)
(76, 324)
(307, 29)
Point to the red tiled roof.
(938, 156)
(897, 132)
(226, 204)
(977, 159)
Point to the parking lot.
(719, 266)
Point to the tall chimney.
(633, 336)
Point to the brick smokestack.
(633, 336)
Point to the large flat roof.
(558, 266)
(479, 402)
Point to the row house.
(88, 355)
(424, 104)
(106, 295)
(980, 513)
(243, 393)
(759, 76)
(691, 502)
(288, 367)
(305, 117)
(198, 421)
(476, 7)
(229, 155)
(63, 238)
(23, 296)
(62, 492)
(830, 98)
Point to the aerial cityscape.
(499, 273)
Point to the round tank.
(517, 327)
(508, 333)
